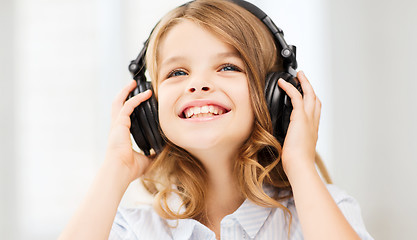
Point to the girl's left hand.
(299, 147)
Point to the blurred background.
(63, 61)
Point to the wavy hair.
(175, 170)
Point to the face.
(203, 93)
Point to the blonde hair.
(258, 163)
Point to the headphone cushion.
(144, 121)
(279, 104)
(136, 127)
(151, 109)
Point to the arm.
(94, 217)
(319, 215)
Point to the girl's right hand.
(122, 165)
(119, 149)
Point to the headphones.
(145, 127)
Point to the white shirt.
(249, 221)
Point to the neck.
(222, 185)
(223, 196)
(223, 193)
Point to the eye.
(176, 73)
(229, 67)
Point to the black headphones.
(145, 127)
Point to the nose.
(199, 84)
(203, 89)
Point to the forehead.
(187, 38)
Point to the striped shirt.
(249, 221)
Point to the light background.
(63, 61)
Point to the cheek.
(163, 109)
(247, 113)
(166, 110)
(244, 109)
(242, 97)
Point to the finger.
(292, 92)
(133, 102)
(305, 85)
(121, 98)
(123, 118)
(310, 97)
(317, 113)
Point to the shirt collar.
(252, 217)
(181, 229)
(184, 229)
(249, 215)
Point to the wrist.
(300, 172)
(116, 172)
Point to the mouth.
(203, 111)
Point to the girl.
(222, 174)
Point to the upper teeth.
(210, 109)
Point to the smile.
(203, 111)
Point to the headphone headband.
(287, 52)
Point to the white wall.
(56, 110)
(374, 110)
(7, 119)
(63, 61)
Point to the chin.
(217, 136)
(208, 143)
(197, 141)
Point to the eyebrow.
(172, 60)
(219, 55)
(228, 54)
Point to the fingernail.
(302, 73)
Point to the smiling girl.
(222, 174)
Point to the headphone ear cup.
(151, 109)
(144, 121)
(279, 104)
(136, 127)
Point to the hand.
(119, 150)
(299, 147)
